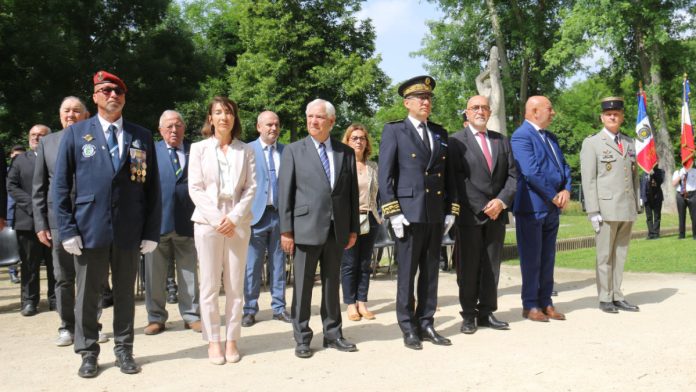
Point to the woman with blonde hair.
(355, 265)
(222, 185)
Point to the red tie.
(486, 152)
(618, 143)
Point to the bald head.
(539, 111)
(268, 126)
(478, 111)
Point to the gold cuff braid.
(455, 209)
(391, 208)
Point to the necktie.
(618, 143)
(548, 143)
(424, 135)
(113, 147)
(175, 162)
(272, 176)
(486, 151)
(325, 161)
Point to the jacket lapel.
(127, 139)
(415, 137)
(314, 160)
(338, 159)
(609, 142)
(472, 144)
(495, 149)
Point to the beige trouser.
(612, 248)
(221, 256)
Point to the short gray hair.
(73, 98)
(170, 112)
(330, 110)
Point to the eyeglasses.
(422, 98)
(108, 90)
(355, 139)
(480, 108)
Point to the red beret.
(105, 77)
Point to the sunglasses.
(108, 90)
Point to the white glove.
(449, 221)
(596, 221)
(73, 245)
(397, 223)
(147, 246)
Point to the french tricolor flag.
(687, 131)
(646, 154)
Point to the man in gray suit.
(318, 200)
(72, 110)
(611, 184)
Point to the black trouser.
(417, 251)
(682, 204)
(305, 262)
(32, 252)
(653, 214)
(92, 270)
(478, 271)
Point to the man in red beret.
(115, 215)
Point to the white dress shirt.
(119, 131)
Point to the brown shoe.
(194, 325)
(534, 314)
(552, 313)
(353, 314)
(154, 328)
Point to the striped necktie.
(178, 171)
(325, 161)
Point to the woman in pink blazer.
(222, 183)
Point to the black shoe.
(28, 310)
(608, 307)
(340, 344)
(248, 320)
(433, 337)
(491, 322)
(52, 304)
(681, 236)
(411, 341)
(282, 316)
(625, 306)
(172, 298)
(303, 351)
(89, 367)
(14, 278)
(468, 325)
(127, 364)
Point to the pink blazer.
(204, 183)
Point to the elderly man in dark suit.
(482, 162)
(319, 217)
(72, 110)
(32, 252)
(414, 186)
(176, 233)
(116, 215)
(543, 189)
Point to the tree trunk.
(650, 71)
(524, 85)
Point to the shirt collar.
(538, 128)
(416, 122)
(475, 132)
(611, 135)
(327, 143)
(105, 124)
(264, 145)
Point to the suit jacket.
(307, 202)
(204, 183)
(3, 184)
(261, 198)
(476, 184)
(651, 186)
(42, 200)
(177, 206)
(19, 185)
(110, 207)
(610, 180)
(540, 175)
(413, 181)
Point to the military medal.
(608, 166)
(137, 163)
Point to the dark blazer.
(412, 181)
(540, 177)
(3, 184)
(19, 185)
(261, 197)
(110, 208)
(307, 204)
(177, 206)
(652, 192)
(42, 201)
(476, 185)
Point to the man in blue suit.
(116, 215)
(176, 233)
(543, 189)
(265, 224)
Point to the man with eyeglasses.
(543, 189)
(265, 225)
(176, 232)
(115, 216)
(482, 162)
(415, 186)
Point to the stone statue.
(490, 85)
